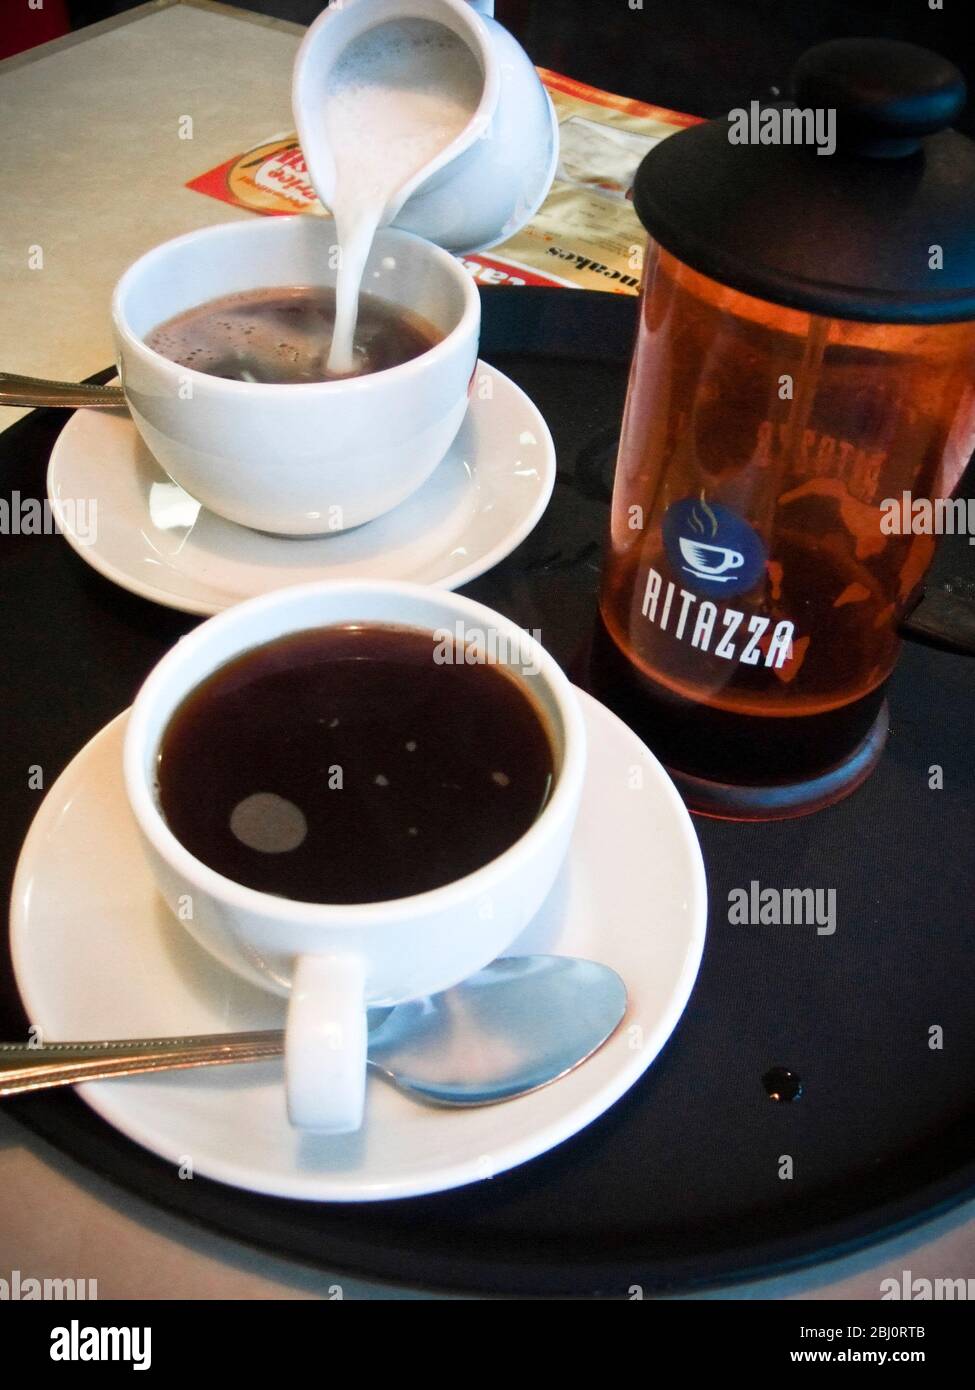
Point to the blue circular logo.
(713, 549)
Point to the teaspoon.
(520, 1023)
(38, 391)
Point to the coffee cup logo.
(709, 561)
(714, 550)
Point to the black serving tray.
(677, 1186)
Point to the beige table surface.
(93, 166)
(92, 171)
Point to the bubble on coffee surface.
(268, 823)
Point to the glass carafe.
(803, 381)
(757, 566)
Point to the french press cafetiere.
(805, 359)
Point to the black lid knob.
(886, 94)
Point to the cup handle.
(325, 1044)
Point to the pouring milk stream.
(423, 114)
(398, 96)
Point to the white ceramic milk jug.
(488, 181)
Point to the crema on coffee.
(282, 335)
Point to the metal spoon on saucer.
(36, 390)
(517, 1025)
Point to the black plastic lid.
(848, 234)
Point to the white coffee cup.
(297, 459)
(336, 961)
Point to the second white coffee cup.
(336, 961)
(306, 458)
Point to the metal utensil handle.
(24, 1068)
(38, 391)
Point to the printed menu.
(586, 235)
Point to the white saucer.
(98, 955)
(154, 539)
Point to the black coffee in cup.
(354, 764)
(283, 335)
